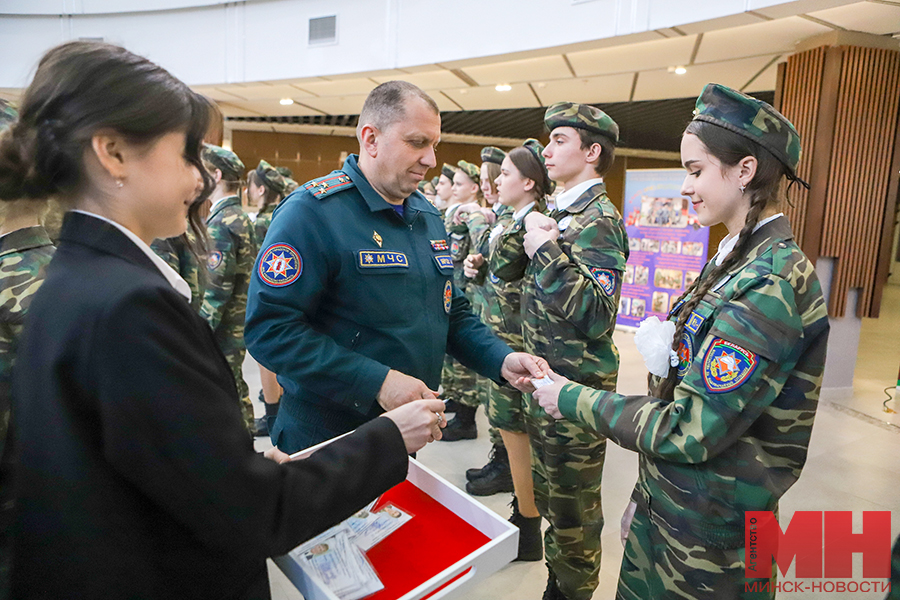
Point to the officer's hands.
(419, 422)
(520, 368)
(471, 265)
(548, 396)
(539, 229)
(398, 389)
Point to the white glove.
(654, 341)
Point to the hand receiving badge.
(547, 393)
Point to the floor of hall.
(853, 464)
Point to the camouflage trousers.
(505, 408)
(459, 382)
(486, 388)
(567, 465)
(235, 358)
(658, 566)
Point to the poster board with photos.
(667, 246)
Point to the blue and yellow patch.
(439, 245)
(214, 259)
(448, 296)
(280, 265)
(685, 355)
(693, 323)
(727, 366)
(606, 278)
(378, 259)
(444, 261)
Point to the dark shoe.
(498, 480)
(260, 427)
(552, 592)
(462, 426)
(271, 415)
(531, 544)
(498, 456)
(451, 406)
(262, 397)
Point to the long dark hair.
(80, 88)
(764, 190)
(530, 167)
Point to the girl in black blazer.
(136, 476)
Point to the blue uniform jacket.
(345, 289)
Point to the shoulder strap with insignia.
(323, 187)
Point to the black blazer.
(136, 475)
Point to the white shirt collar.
(219, 201)
(522, 212)
(568, 197)
(730, 241)
(168, 272)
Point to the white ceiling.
(742, 51)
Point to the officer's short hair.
(386, 104)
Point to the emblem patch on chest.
(377, 259)
(606, 278)
(448, 296)
(685, 355)
(564, 223)
(439, 245)
(693, 323)
(444, 261)
(494, 279)
(727, 366)
(214, 260)
(454, 248)
(280, 265)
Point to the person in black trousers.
(136, 477)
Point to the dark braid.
(729, 148)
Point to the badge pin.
(377, 238)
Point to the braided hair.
(764, 190)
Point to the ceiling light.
(680, 70)
(285, 102)
(503, 87)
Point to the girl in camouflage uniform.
(728, 421)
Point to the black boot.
(462, 426)
(498, 478)
(531, 545)
(271, 415)
(263, 425)
(498, 454)
(552, 592)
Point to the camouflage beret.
(492, 155)
(448, 171)
(224, 160)
(581, 116)
(426, 188)
(8, 114)
(751, 118)
(290, 185)
(284, 172)
(471, 170)
(271, 178)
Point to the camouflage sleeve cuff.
(548, 252)
(580, 404)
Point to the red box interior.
(433, 540)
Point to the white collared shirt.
(517, 216)
(568, 197)
(730, 241)
(174, 279)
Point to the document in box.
(377, 526)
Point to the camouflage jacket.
(502, 310)
(262, 222)
(24, 256)
(232, 253)
(570, 292)
(177, 253)
(736, 435)
(459, 245)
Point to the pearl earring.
(742, 187)
(120, 183)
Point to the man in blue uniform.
(351, 301)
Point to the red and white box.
(452, 543)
